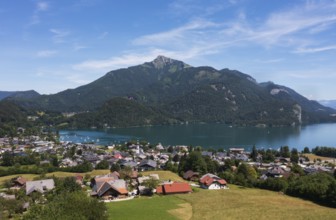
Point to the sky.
(50, 46)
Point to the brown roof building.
(173, 188)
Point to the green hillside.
(167, 91)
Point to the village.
(133, 169)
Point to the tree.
(12, 206)
(247, 172)
(254, 153)
(115, 167)
(294, 157)
(306, 150)
(102, 165)
(196, 163)
(126, 172)
(75, 206)
(151, 184)
(170, 149)
(176, 158)
(284, 151)
(68, 184)
(7, 159)
(297, 169)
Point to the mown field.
(57, 174)
(235, 203)
(313, 157)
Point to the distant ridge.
(18, 94)
(168, 91)
(328, 103)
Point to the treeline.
(317, 187)
(325, 151)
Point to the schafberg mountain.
(167, 91)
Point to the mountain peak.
(161, 62)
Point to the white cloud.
(190, 31)
(46, 53)
(36, 17)
(59, 35)
(78, 47)
(42, 6)
(315, 50)
(291, 29)
(103, 35)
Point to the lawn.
(244, 203)
(57, 174)
(147, 208)
(313, 157)
(234, 203)
(164, 175)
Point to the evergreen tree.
(284, 151)
(306, 150)
(254, 153)
(294, 156)
(115, 167)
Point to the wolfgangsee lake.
(212, 135)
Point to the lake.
(212, 135)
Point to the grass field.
(146, 208)
(313, 157)
(242, 203)
(234, 203)
(57, 174)
(165, 175)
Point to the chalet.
(110, 189)
(211, 181)
(277, 172)
(237, 150)
(191, 176)
(18, 182)
(147, 165)
(173, 188)
(207, 153)
(39, 186)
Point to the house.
(207, 153)
(237, 150)
(18, 182)
(211, 181)
(110, 189)
(147, 165)
(191, 176)
(173, 188)
(39, 186)
(242, 157)
(79, 179)
(276, 172)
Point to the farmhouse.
(39, 186)
(191, 176)
(211, 181)
(110, 189)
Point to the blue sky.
(50, 46)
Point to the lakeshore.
(212, 136)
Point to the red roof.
(159, 190)
(176, 187)
(208, 180)
(221, 181)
